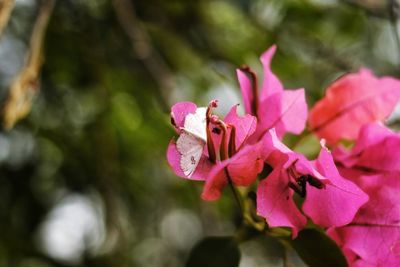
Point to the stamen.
(298, 182)
(232, 138)
(297, 189)
(214, 119)
(209, 118)
(315, 182)
(223, 150)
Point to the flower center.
(298, 182)
(228, 146)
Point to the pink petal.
(273, 148)
(285, 111)
(353, 174)
(294, 111)
(370, 134)
(352, 101)
(246, 165)
(173, 158)
(361, 263)
(374, 235)
(376, 246)
(245, 126)
(179, 111)
(351, 257)
(377, 149)
(215, 182)
(242, 168)
(275, 203)
(247, 90)
(276, 153)
(338, 202)
(383, 156)
(271, 83)
(384, 205)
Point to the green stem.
(234, 192)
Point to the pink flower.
(241, 170)
(201, 163)
(329, 200)
(194, 154)
(341, 200)
(284, 110)
(377, 149)
(352, 101)
(202, 135)
(239, 167)
(373, 237)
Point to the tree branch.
(26, 84)
(142, 47)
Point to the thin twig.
(26, 83)
(234, 192)
(372, 8)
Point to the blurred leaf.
(264, 250)
(316, 249)
(215, 252)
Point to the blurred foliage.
(215, 252)
(317, 249)
(84, 180)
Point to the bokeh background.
(83, 177)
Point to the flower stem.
(234, 192)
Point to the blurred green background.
(84, 179)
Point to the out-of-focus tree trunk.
(6, 6)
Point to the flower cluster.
(352, 194)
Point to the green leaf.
(317, 249)
(215, 252)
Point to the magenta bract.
(284, 110)
(329, 199)
(352, 101)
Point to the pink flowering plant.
(346, 200)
